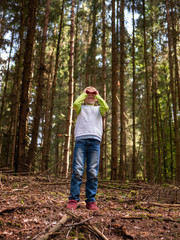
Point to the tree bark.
(17, 85)
(45, 157)
(103, 152)
(134, 160)
(39, 94)
(173, 94)
(174, 38)
(47, 115)
(93, 45)
(71, 93)
(148, 124)
(24, 104)
(122, 171)
(114, 126)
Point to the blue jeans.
(89, 150)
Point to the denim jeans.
(89, 150)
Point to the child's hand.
(91, 90)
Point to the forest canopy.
(50, 50)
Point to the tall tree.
(122, 174)
(47, 114)
(114, 126)
(174, 38)
(17, 84)
(39, 93)
(173, 94)
(103, 144)
(134, 160)
(32, 9)
(47, 132)
(71, 93)
(147, 87)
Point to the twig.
(55, 228)
(89, 226)
(7, 210)
(76, 224)
(160, 204)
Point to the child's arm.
(78, 102)
(103, 105)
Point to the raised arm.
(103, 105)
(78, 102)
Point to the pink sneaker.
(92, 206)
(72, 204)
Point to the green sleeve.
(78, 102)
(103, 105)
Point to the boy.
(88, 134)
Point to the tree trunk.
(103, 152)
(173, 93)
(122, 172)
(17, 85)
(114, 126)
(134, 160)
(47, 115)
(76, 74)
(93, 45)
(174, 36)
(71, 94)
(24, 108)
(155, 89)
(45, 157)
(147, 86)
(39, 95)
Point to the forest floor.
(34, 207)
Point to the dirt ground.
(35, 208)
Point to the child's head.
(91, 93)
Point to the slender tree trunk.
(47, 115)
(148, 125)
(32, 8)
(173, 93)
(122, 172)
(134, 160)
(93, 45)
(76, 74)
(114, 126)
(155, 89)
(174, 36)
(159, 172)
(71, 93)
(39, 95)
(47, 146)
(103, 152)
(153, 92)
(171, 139)
(17, 85)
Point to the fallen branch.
(12, 209)
(76, 224)
(160, 204)
(89, 226)
(150, 216)
(54, 229)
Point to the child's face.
(91, 93)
